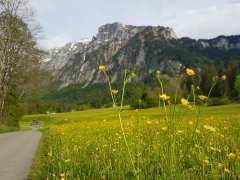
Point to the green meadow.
(200, 144)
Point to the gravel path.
(17, 151)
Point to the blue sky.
(64, 21)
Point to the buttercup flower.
(202, 97)
(190, 72)
(224, 77)
(114, 91)
(102, 68)
(231, 156)
(133, 75)
(164, 97)
(185, 102)
(209, 128)
(190, 107)
(227, 170)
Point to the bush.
(147, 103)
(218, 101)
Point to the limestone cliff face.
(222, 42)
(143, 48)
(115, 46)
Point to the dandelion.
(224, 77)
(190, 72)
(133, 75)
(209, 128)
(102, 68)
(231, 156)
(164, 97)
(114, 91)
(185, 102)
(202, 97)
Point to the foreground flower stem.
(175, 96)
(164, 104)
(126, 143)
(193, 135)
(213, 84)
(110, 88)
(119, 110)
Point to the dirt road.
(17, 151)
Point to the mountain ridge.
(144, 48)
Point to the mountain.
(143, 48)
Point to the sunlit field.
(90, 145)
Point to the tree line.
(19, 57)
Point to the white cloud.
(209, 22)
(74, 20)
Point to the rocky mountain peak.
(118, 46)
(108, 31)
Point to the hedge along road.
(17, 151)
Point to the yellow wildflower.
(133, 75)
(102, 68)
(164, 128)
(206, 161)
(231, 156)
(190, 107)
(185, 102)
(190, 72)
(62, 175)
(114, 91)
(202, 97)
(180, 132)
(67, 160)
(157, 72)
(209, 128)
(197, 131)
(227, 170)
(190, 123)
(224, 77)
(164, 97)
(220, 165)
(49, 154)
(215, 149)
(149, 122)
